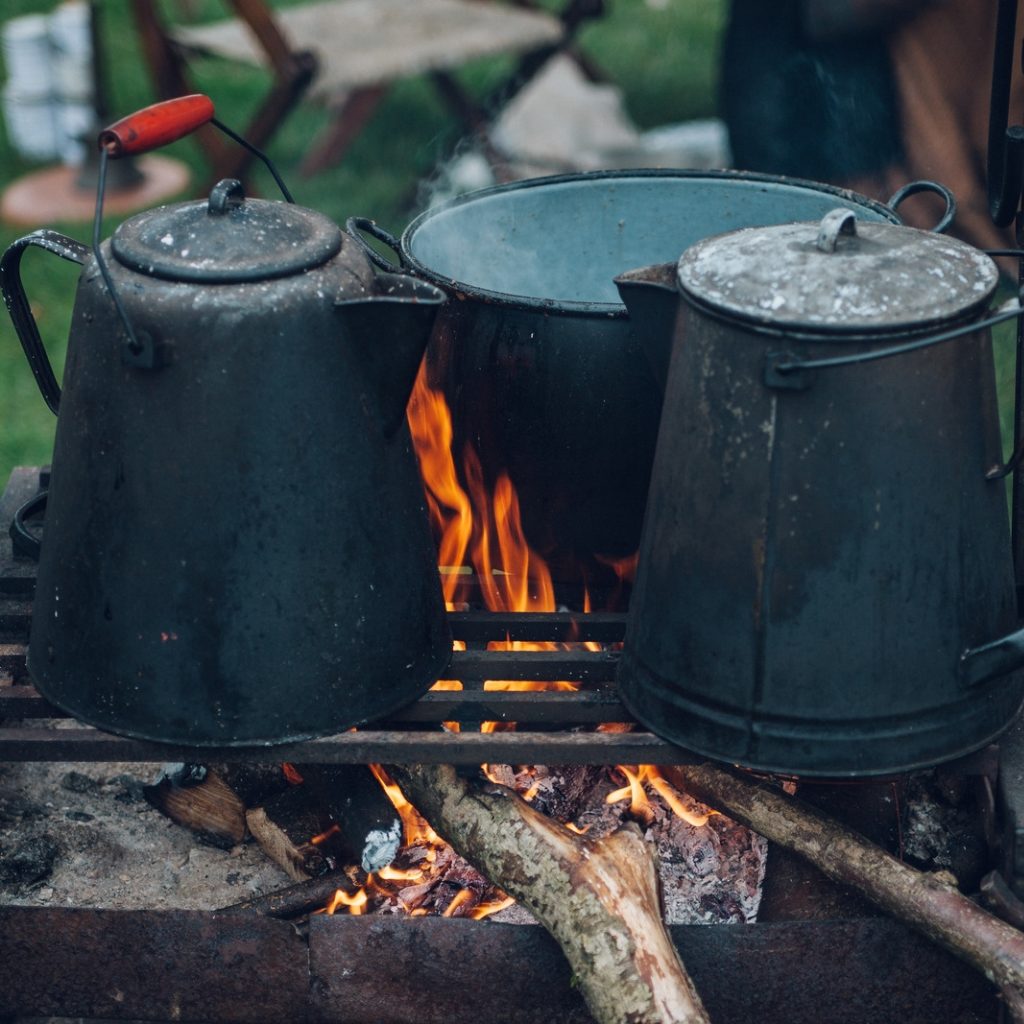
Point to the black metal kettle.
(825, 585)
(235, 548)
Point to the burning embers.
(486, 560)
(710, 873)
(427, 877)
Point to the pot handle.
(162, 123)
(356, 225)
(25, 542)
(912, 188)
(21, 311)
(787, 371)
(156, 125)
(998, 657)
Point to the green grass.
(663, 59)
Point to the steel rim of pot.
(615, 310)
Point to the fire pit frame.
(549, 722)
(241, 967)
(244, 967)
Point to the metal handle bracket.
(21, 310)
(356, 225)
(780, 366)
(834, 224)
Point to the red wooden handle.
(156, 125)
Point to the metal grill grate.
(558, 727)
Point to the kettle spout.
(390, 329)
(651, 297)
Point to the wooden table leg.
(349, 120)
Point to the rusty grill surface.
(553, 727)
(240, 966)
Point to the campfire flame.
(640, 805)
(483, 529)
(354, 903)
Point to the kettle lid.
(840, 275)
(226, 238)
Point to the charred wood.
(286, 827)
(598, 898)
(295, 900)
(255, 784)
(363, 819)
(202, 801)
(285, 807)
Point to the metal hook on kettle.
(147, 129)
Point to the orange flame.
(324, 836)
(639, 806)
(415, 830)
(481, 544)
(482, 910)
(430, 424)
(461, 897)
(354, 904)
(390, 874)
(633, 791)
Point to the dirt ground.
(82, 835)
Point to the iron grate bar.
(550, 722)
(362, 747)
(573, 707)
(558, 627)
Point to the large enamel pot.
(825, 583)
(534, 350)
(236, 547)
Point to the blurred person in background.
(868, 94)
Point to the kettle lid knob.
(833, 224)
(225, 196)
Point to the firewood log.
(255, 784)
(927, 902)
(209, 807)
(285, 827)
(295, 900)
(212, 800)
(598, 898)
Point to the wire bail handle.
(147, 129)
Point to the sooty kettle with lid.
(235, 547)
(825, 584)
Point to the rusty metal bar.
(183, 965)
(372, 745)
(237, 968)
(554, 627)
(15, 617)
(12, 659)
(545, 666)
(468, 666)
(605, 627)
(541, 666)
(18, 581)
(473, 706)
